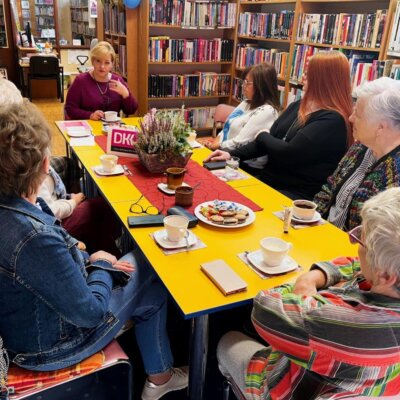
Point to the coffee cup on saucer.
(176, 227)
(174, 177)
(110, 116)
(109, 162)
(304, 209)
(274, 250)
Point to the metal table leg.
(198, 357)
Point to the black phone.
(214, 165)
(178, 210)
(146, 220)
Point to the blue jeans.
(143, 300)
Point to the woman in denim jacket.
(58, 305)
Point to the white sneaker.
(179, 380)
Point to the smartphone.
(214, 165)
(146, 220)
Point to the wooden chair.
(46, 68)
(112, 380)
(222, 112)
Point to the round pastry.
(217, 219)
(241, 218)
(228, 213)
(230, 221)
(244, 212)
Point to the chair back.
(42, 66)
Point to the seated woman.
(254, 114)
(309, 138)
(60, 305)
(99, 90)
(372, 164)
(334, 333)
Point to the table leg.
(198, 357)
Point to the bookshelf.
(81, 27)
(392, 65)
(185, 56)
(3, 31)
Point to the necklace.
(102, 92)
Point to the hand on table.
(78, 197)
(96, 115)
(117, 87)
(309, 283)
(218, 155)
(212, 145)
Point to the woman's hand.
(96, 115)
(117, 87)
(218, 155)
(309, 283)
(212, 145)
(103, 255)
(124, 266)
(78, 197)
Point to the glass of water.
(232, 166)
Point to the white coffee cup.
(176, 227)
(110, 116)
(304, 209)
(274, 250)
(192, 136)
(108, 162)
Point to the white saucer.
(111, 122)
(164, 188)
(117, 171)
(315, 218)
(256, 259)
(161, 238)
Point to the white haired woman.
(372, 164)
(335, 333)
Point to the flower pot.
(158, 163)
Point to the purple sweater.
(84, 97)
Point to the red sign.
(120, 141)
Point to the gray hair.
(382, 100)
(381, 226)
(9, 93)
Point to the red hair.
(328, 87)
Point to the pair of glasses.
(355, 235)
(246, 82)
(136, 208)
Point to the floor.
(178, 329)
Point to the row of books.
(47, 11)
(249, 54)
(269, 25)
(356, 30)
(82, 28)
(121, 61)
(43, 2)
(79, 15)
(165, 49)
(47, 22)
(78, 3)
(192, 14)
(394, 41)
(114, 19)
(197, 117)
(238, 94)
(189, 85)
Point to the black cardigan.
(299, 158)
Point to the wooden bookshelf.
(80, 27)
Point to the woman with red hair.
(307, 141)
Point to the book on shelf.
(394, 41)
(197, 117)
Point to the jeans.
(143, 300)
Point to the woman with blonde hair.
(309, 138)
(99, 90)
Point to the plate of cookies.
(224, 214)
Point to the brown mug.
(184, 196)
(174, 177)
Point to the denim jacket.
(50, 307)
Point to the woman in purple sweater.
(99, 90)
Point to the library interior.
(199, 199)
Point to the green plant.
(164, 133)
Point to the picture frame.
(26, 14)
(3, 73)
(25, 4)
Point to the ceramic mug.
(110, 116)
(184, 196)
(274, 250)
(304, 209)
(174, 177)
(109, 162)
(176, 227)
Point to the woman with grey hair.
(9, 93)
(372, 164)
(335, 333)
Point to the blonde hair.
(102, 50)
(25, 139)
(328, 87)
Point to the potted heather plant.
(162, 141)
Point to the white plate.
(111, 122)
(315, 218)
(162, 239)
(256, 259)
(117, 171)
(79, 133)
(164, 188)
(250, 219)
